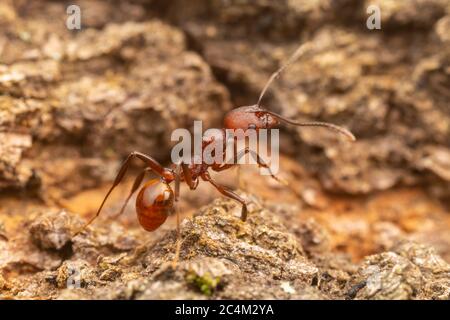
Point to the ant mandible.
(156, 199)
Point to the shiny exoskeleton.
(154, 203)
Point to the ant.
(156, 199)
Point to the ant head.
(257, 118)
(250, 117)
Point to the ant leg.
(241, 182)
(136, 184)
(177, 212)
(228, 193)
(263, 164)
(285, 183)
(188, 177)
(177, 182)
(219, 168)
(152, 164)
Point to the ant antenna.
(299, 52)
(331, 126)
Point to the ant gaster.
(156, 199)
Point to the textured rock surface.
(407, 272)
(220, 257)
(74, 103)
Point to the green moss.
(206, 283)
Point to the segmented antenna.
(299, 52)
(331, 126)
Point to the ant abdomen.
(154, 204)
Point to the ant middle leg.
(228, 193)
(262, 163)
(240, 182)
(192, 183)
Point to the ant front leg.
(152, 164)
(221, 167)
(282, 181)
(260, 162)
(258, 159)
(228, 193)
(187, 173)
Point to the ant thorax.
(216, 147)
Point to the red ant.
(156, 199)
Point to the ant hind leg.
(149, 161)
